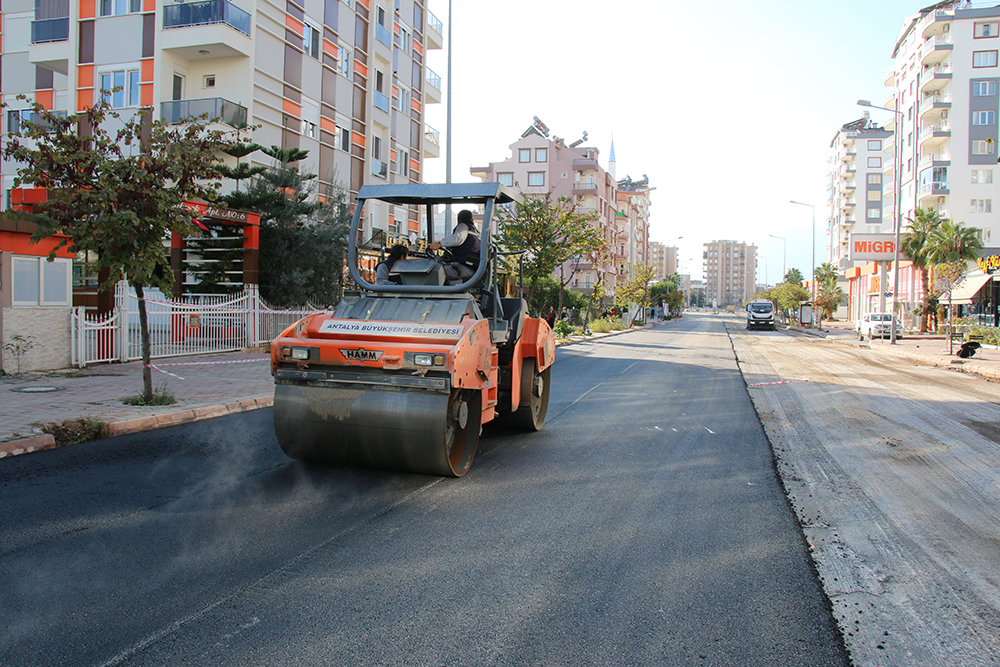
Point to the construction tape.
(767, 384)
(201, 363)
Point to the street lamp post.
(812, 282)
(784, 245)
(896, 217)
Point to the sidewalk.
(926, 349)
(212, 385)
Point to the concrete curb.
(954, 364)
(124, 427)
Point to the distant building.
(730, 269)
(855, 185)
(664, 258)
(632, 221)
(539, 164)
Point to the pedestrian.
(551, 317)
(564, 314)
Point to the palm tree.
(919, 246)
(826, 273)
(954, 241)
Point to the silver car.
(876, 325)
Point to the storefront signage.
(989, 264)
(227, 214)
(873, 247)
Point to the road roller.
(403, 376)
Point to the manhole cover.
(36, 390)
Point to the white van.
(760, 314)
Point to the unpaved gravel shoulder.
(892, 469)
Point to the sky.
(728, 106)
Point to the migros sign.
(873, 247)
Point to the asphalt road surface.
(645, 525)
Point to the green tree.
(919, 247)
(954, 241)
(636, 289)
(794, 277)
(551, 231)
(826, 273)
(118, 192)
(787, 296)
(949, 275)
(302, 236)
(829, 296)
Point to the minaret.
(612, 166)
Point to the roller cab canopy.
(429, 195)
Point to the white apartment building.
(944, 82)
(730, 270)
(855, 185)
(664, 258)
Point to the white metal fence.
(195, 325)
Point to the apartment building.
(632, 221)
(664, 258)
(855, 185)
(539, 163)
(730, 269)
(346, 80)
(944, 84)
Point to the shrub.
(563, 328)
(601, 326)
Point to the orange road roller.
(403, 373)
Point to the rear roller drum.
(530, 416)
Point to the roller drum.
(410, 430)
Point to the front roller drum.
(354, 425)
(530, 415)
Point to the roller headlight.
(423, 359)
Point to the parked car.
(876, 325)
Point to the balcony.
(432, 142)
(936, 49)
(937, 135)
(381, 101)
(379, 168)
(215, 109)
(890, 78)
(584, 164)
(383, 35)
(432, 91)
(50, 30)
(932, 189)
(584, 188)
(935, 78)
(935, 160)
(934, 107)
(211, 29)
(936, 22)
(435, 30)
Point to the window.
(875, 213)
(120, 7)
(524, 155)
(377, 147)
(536, 178)
(39, 282)
(310, 41)
(875, 162)
(403, 163)
(404, 100)
(984, 88)
(875, 179)
(15, 119)
(984, 58)
(982, 175)
(874, 195)
(541, 154)
(308, 129)
(983, 117)
(345, 62)
(127, 81)
(209, 81)
(85, 274)
(982, 205)
(982, 147)
(874, 144)
(506, 179)
(982, 30)
(402, 39)
(344, 138)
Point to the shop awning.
(966, 289)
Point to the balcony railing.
(584, 163)
(433, 78)
(214, 108)
(432, 135)
(207, 12)
(383, 35)
(435, 23)
(382, 101)
(50, 30)
(934, 42)
(928, 130)
(584, 187)
(935, 157)
(379, 168)
(937, 69)
(934, 186)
